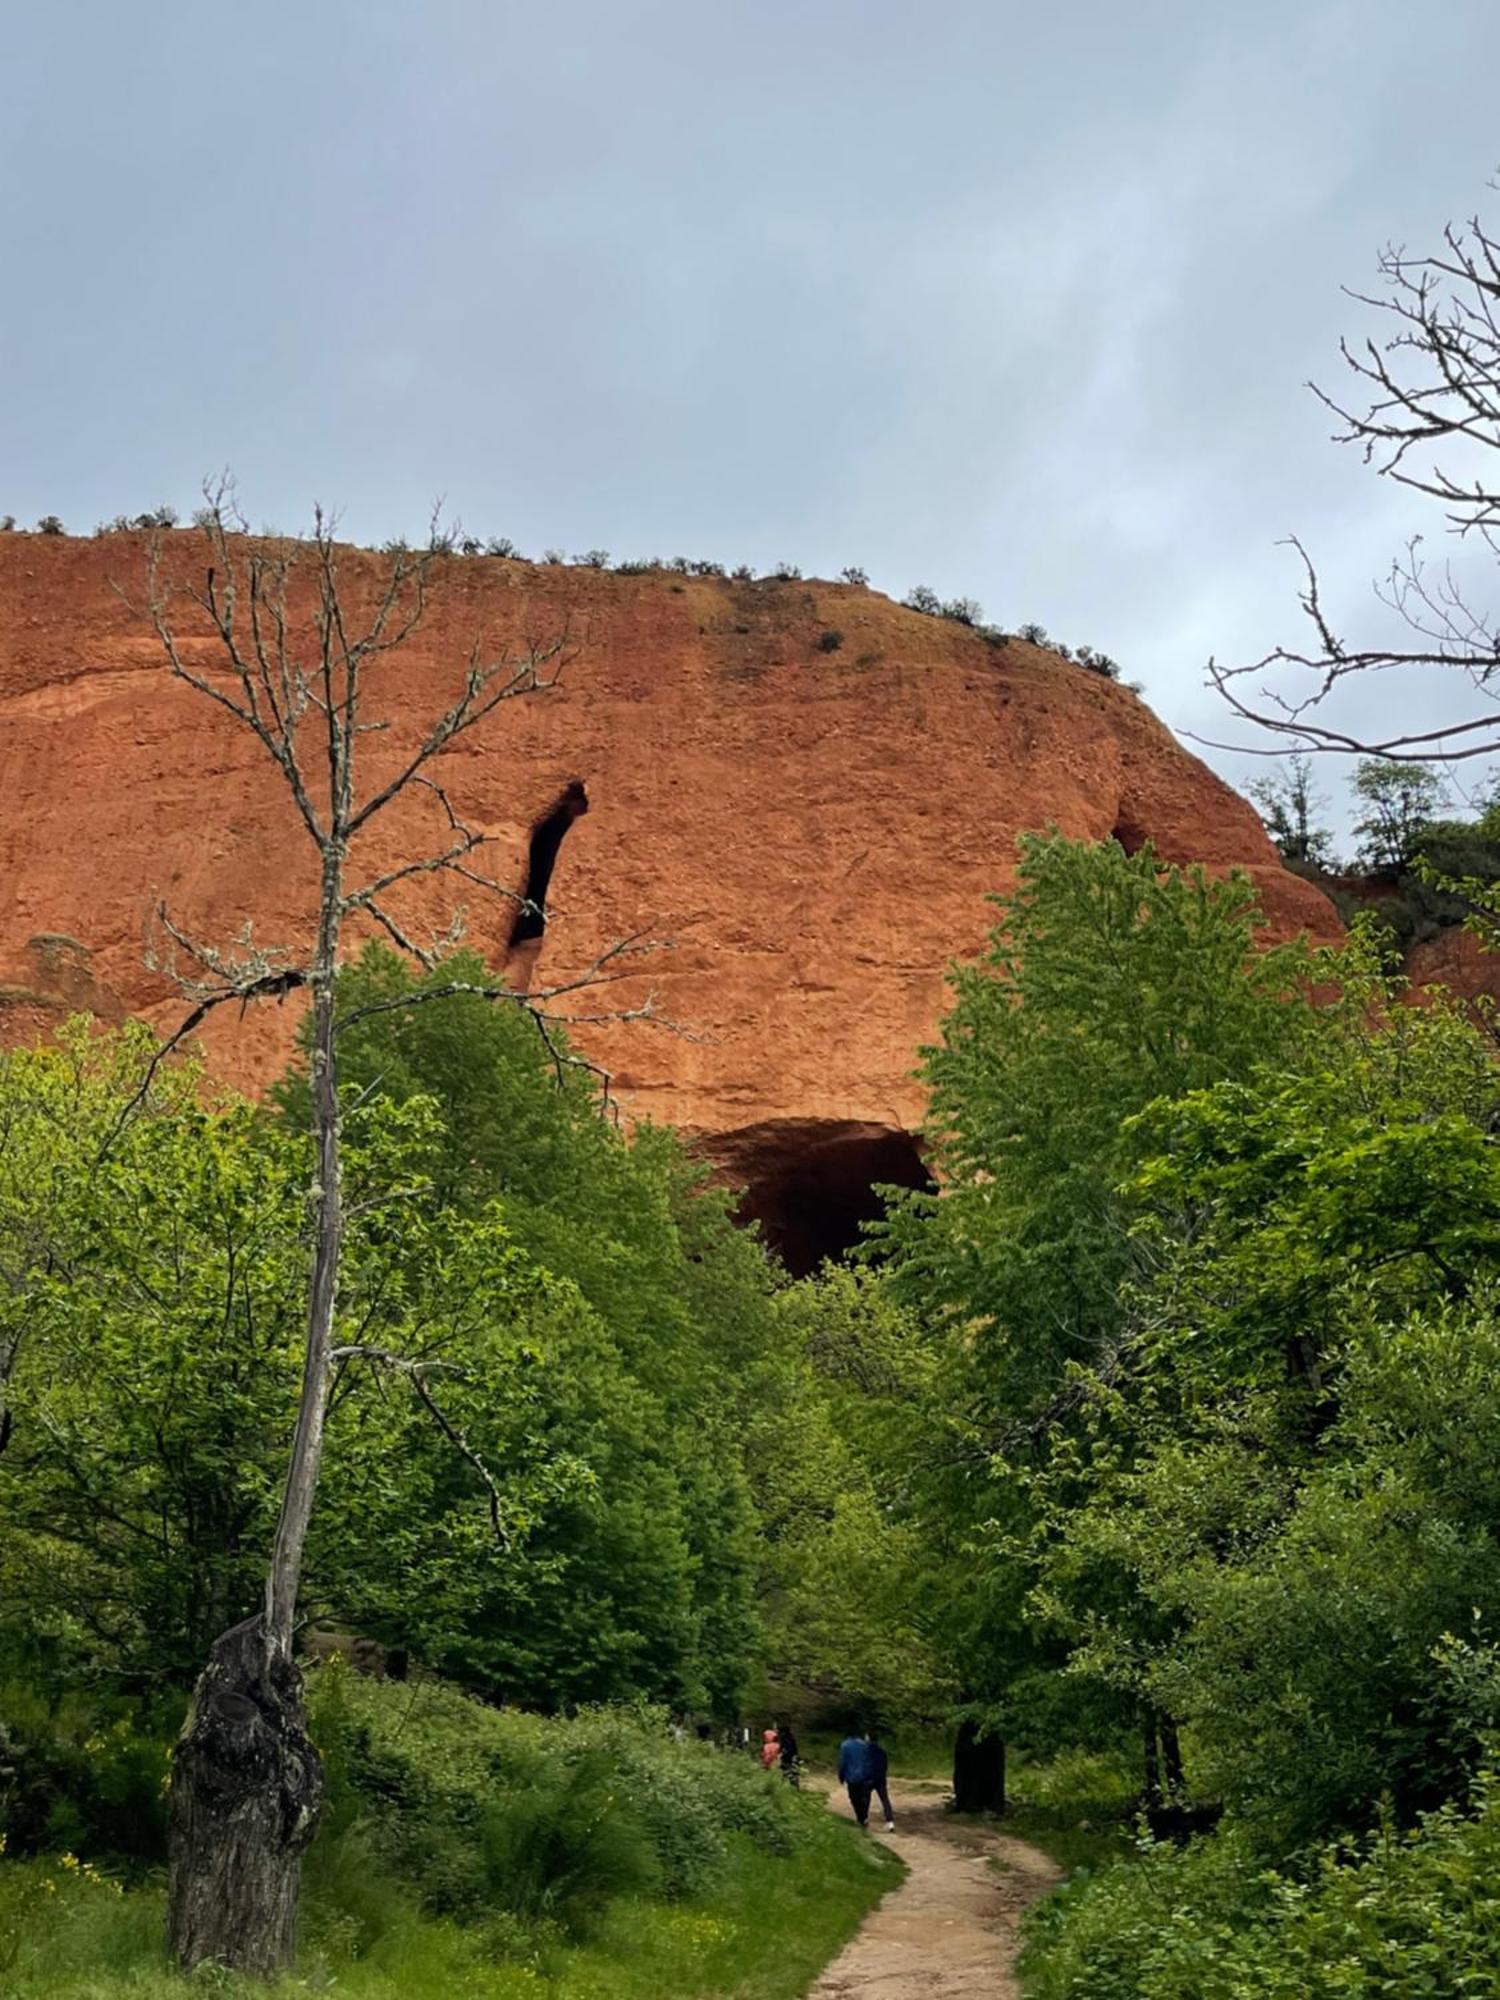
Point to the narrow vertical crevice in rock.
(547, 837)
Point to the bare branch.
(1433, 385)
(416, 1373)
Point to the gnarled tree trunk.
(247, 1785)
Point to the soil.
(952, 1929)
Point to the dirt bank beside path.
(951, 1931)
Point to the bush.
(963, 610)
(1399, 1914)
(742, 573)
(855, 575)
(921, 598)
(84, 1774)
(830, 641)
(50, 525)
(546, 1819)
(500, 545)
(786, 572)
(593, 559)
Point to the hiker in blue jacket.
(855, 1775)
(879, 1769)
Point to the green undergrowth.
(471, 1853)
(1077, 1806)
(1399, 1913)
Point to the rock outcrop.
(808, 788)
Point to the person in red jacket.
(770, 1750)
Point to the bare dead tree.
(1425, 413)
(246, 1787)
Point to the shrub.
(963, 610)
(921, 598)
(680, 566)
(49, 524)
(553, 558)
(500, 545)
(1398, 1914)
(743, 573)
(855, 575)
(548, 1819)
(1097, 663)
(708, 569)
(7, 524)
(1034, 634)
(786, 572)
(830, 641)
(84, 1774)
(593, 559)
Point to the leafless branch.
(1432, 385)
(416, 1372)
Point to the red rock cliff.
(818, 829)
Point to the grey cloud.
(1014, 300)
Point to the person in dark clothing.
(854, 1775)
(879, 1769)
(790, 1762)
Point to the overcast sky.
(1017, 301)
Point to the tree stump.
(247, 1787)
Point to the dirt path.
(950, 1932)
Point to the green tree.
(1291, 806)
(1110, 980)
(1399, 803)
(653, 1584)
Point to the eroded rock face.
(816, 827)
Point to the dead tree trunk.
(246, 1783)
(247, 1786)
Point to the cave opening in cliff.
(1129, 836)
(547, 837)
(812, 1184)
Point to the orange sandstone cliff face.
(816, 830)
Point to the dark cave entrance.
(811, 1182)
(547, 837)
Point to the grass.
(763, 1932)
(1076, 1807)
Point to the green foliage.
(1398, 803)
(642, 1584)
(1291, 806)
(835, 1426)
(1110, 981)
(481, 1852)
(1412, 1913)
(549, 1819)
